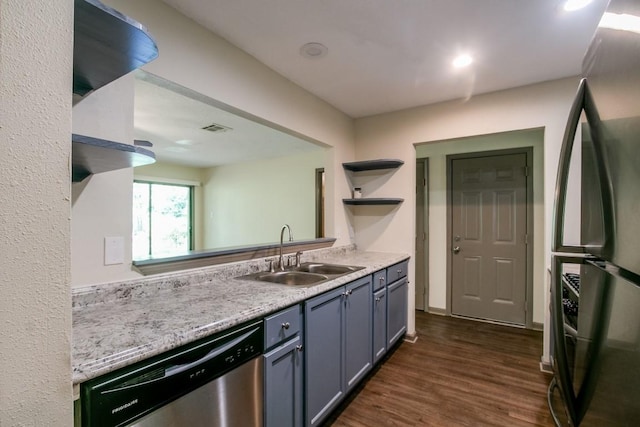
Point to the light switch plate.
(113, 250)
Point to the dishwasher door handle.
(177, 369)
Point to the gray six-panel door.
(488, 232)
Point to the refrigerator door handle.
(557, 232)
(560, 360)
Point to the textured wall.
(102, 203)
(35, 126)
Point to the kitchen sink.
(292, 278)
(307, 274)
(331, 269)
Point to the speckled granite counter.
(117, 324)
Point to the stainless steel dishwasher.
(217, 381)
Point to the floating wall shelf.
(368, 165)
(371, 165)
(107, 45)
(373, 201)
(94, 155)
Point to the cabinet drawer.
(281, 326)
(379, 279)
(397, 271)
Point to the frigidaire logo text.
(125, 406)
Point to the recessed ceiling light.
(571, 5)
(313, 50)
(462, 61)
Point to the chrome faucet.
(280, 259)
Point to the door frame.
(422, 214)
(319, 196)
(528, 151)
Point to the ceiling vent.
(214, 127)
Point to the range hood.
(107, 45)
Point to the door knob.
(456, 249)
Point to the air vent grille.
(214, 127)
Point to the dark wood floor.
(459, 373)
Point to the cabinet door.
(379, 324)
(358, 327)
(283, 385)
(324, 350)
(396, 311)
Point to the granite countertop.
(117, 324)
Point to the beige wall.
(35, 124)
(393, 135)
(248, 203)
(102, 203)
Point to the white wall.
(544, 105)
(248, 203)
(102, 203)
(35, 124)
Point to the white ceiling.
(171, 117)
(387, 55)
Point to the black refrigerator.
(595, 284)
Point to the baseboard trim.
(545, 366)
(537, 326)
(411, 338)
(438, 311)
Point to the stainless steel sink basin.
(291, 278)
(308, 274)
(330, 269)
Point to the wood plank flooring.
(459, 373)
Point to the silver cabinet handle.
(381, 279)
(378, 299)
(299, 347)
(347, 293)
(286, 325)
(399, 271)
(456, 249)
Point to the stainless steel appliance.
(595, 285)
(217, 381)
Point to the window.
(162, 219)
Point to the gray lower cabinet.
(338, 346)
(283, 385)
(379, 324)
(396, 311)
(283, 369)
